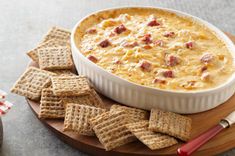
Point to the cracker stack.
(66, 95)
(55, 62)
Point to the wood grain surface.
(201, 122)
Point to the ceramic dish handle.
(194, 144)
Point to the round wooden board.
(201, 122)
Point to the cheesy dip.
(157, 49)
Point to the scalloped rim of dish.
(219, 34)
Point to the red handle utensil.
(196, 143)
(190, 147)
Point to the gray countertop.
(22, 25)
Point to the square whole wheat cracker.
(52, 58)
(170, 123)
(110, 128)
(33, 54)
(90, 99)
(70, 85)
(134, 114)
(31, 83)
(51, 106)
(77, 118)
(151, 139)
(58, 33)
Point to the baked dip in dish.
(155, 57)
(160, 50)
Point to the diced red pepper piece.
(168, 73)
(169, 34)
(153, 23)
(145, 65)
(206, 58)
(105, 43)
(92, 31)
(189, 45)
(121, 28)
(172, 60)
(159, 43)
(157, 80)
(130, 45)
(92, 58)
(147, 39)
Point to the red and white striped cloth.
(4, 105)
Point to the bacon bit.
(121, 28)
(92, 31)
(168, 73)
(169, 34)
(105, 43)
(172, 60)
(206, 58)
(147, 47)
(204, 68)
(159, 43)
(205, 76)
(130, 45)
(92, 58)
(189, 45)
(157, 80)
(147, 39)
(145, 65)
(153, 23)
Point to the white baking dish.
(144, 97)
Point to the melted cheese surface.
(190, 71)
